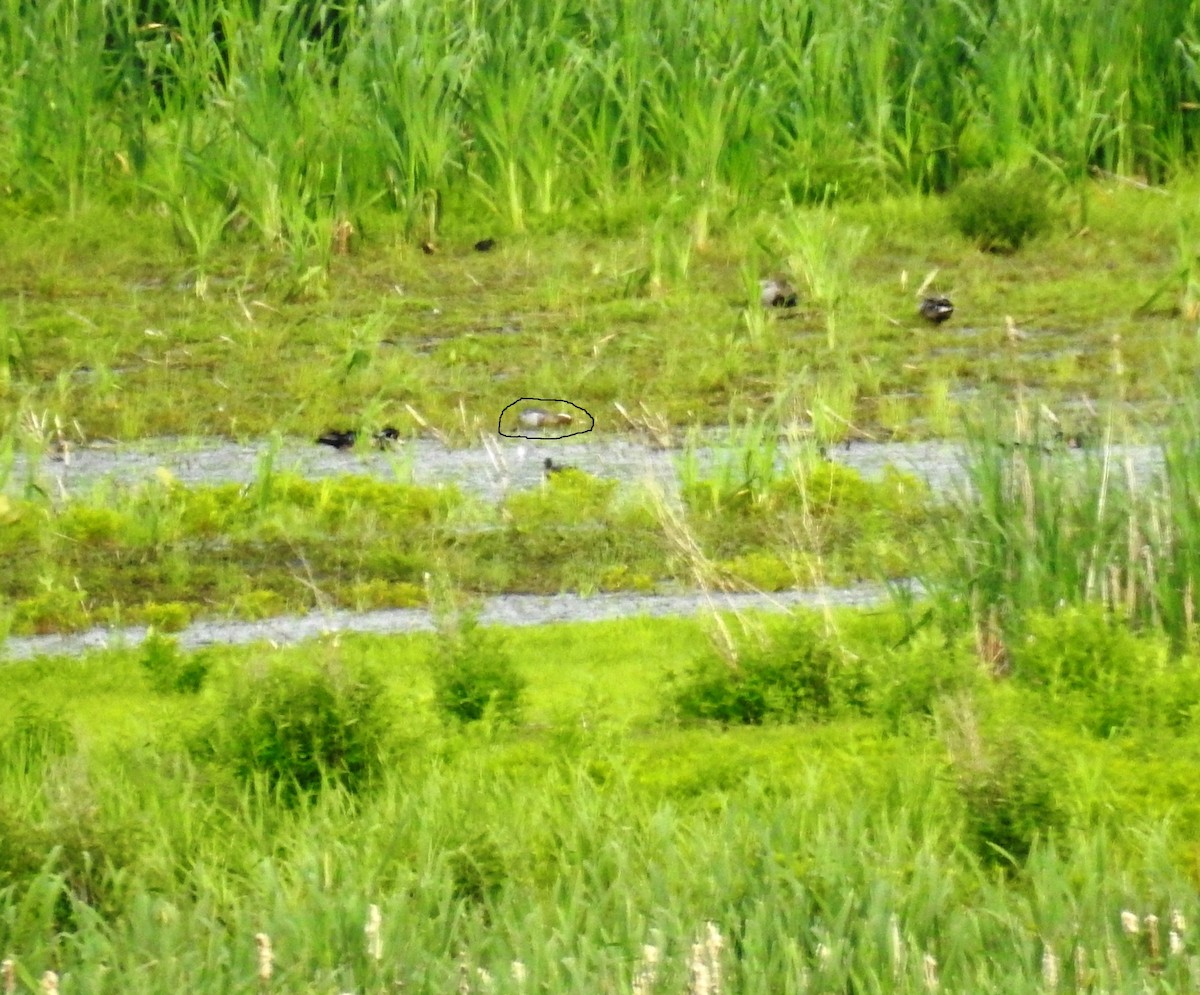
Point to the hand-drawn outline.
(591, 422)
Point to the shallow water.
(489, 471)
(508, 609)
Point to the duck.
(485, 245)
(338, 439)
(550, 468)
(777, 292)
(936, 309)
(385, 437)
(541, 418)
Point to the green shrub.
(170, 616)
(1078, 647)
(170, 671)
(57, 610)
(298, 727)
(259, 604)
(797, 674)
(477, 870)
(1008, 793)
(473, 675)
(908, 683)
(763, 569)
(1112, 679)
(35, 736)
(1000, 213)
(73, 857)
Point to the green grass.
(161, 553)
(213, 226)
(103, 332)
(569, 841)
(281, 122)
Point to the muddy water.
(511, 609)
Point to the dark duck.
(936, 309)
(337, 439)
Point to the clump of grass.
(473, 675)
(1007, 788)
(801, 674)
(1039, 528)
(477, 871)
(1001, 212)
(296, 729)
(169, 670)
(36, 736)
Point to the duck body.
(777, 292)
(385, 437)
(550, 468)
(936, 309)
(541, 418)
(338, 439)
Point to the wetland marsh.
(857, 652)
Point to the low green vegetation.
(1001, 213)
(163, 554)
(893, 809)
(105, 341)
(254, 218)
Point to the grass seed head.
(897, 943)
(1151, 924)
(646, 974)
(266, 957)
(701, 983)
(374, 932)
(929, 971)
(1049, 969)
(464, 974)
(9, 975)
(1178, 923)
(50, 983)
(1129, 923)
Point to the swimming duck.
(936, 309)
(338, 439)
(541, 418)
(551, 467)
(777, 292)
(385, 437)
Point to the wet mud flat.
(506, 610)
(489, 471)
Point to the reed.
(536, 112)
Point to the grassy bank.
(839, 851)
(102, 332)
(161, 553)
